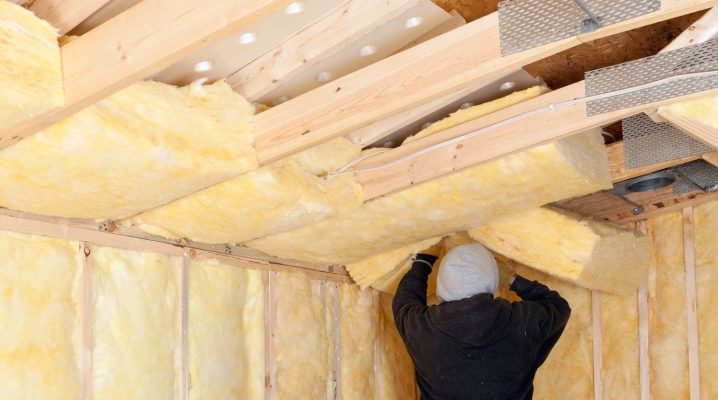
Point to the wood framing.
(113, 56)
(512, 136)
(597, 319)
(86, 304)
(465, 56)
(181, 265)
(313, 45)
(692, 313)
(697, 130)
(644, 360)
(618, 167)
(66, 14)
(711, 158)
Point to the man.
(472, 345)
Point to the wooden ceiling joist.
(697, 130)
(465, 56)
(66, 14)
(130, 47)
(313, 45)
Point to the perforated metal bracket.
(647, 142)
(673, 64)
(696, 175)
(525, 24)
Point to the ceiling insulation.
(145, 146)
(562, 169)
(283, 196)
(30, 67)
(588, 253)
(703, 110)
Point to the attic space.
(219, 199)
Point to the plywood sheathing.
(146, 145)
(30, 67)
(588, 253)
(286, 195)
(469, 9)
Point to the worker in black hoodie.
(473, 345)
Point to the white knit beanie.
(466, 271)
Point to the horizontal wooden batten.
(66, 14)
(465, 56)
(130, 47)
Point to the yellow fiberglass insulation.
(620, 345)
(702, 110)
(589, 253)
(30, 67)
(358, 334)
(39, 316)
(568, 370)
(135, 325)
(478, 195)
(668, 321)
(146, 145)
(304, 326)
(280, 197)
(226, 332)
(706, 242)
(396, 370)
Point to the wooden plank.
(597, 345)
(271, 323)
(465, 56)
(181, 265)
(695, 129)
(711, 158)
(504, 132)
(66, 14)
(690, 264)
(377, 343)
(618, 168)
(704, 29)
(87, 302)
(112, 56)
(643, 329)
(311, 46)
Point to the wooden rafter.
(130, 47)
(697, 130)
(66, 14)
(313, 45)
(466, 56)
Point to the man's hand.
(434, 250)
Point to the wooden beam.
(689, 252)
(704, 29)
(512, 136)
(313, 45)
(618, 167)
(465, 56)
(695, 129)
(130, 47)
(711, 158)
(597, 319)
(607, 206)
(66, 14)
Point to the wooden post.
(690, 264)
(643, 329)
(270, 309)
(597, 345)
(182, 362)
(377, 345)
(86, 321)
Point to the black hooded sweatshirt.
(480, 348)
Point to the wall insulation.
(358, 338)
(135, 311)
(39, 315)
(592, 254)
(226, 331)
(30, 67)
(130, 152)
(284, 196)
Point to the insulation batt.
(226, 331)
(30, 66)
(701, 110)
(706, 242)
(135, 325)
(566, 168)
(39, 318)
(146, 145)
(589, 253)
(620, 345)
(284, 196)
(304, 325)
(358, 333)
(668, 323)
(396, 370)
